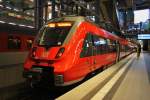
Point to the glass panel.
(100, 44)
(111, 45)
(87, 47)
(14, 42)
(54, 34)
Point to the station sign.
(143, 36)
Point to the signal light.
(60, 52)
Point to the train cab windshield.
(54, 34)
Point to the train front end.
(51, 52)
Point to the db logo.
(45, 54)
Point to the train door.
(87, 53)
(99, 51)
(118, 51)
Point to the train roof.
(68, 18)
(81, 19)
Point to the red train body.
(15, 42)
(15, 38)
(67, 49)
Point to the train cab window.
(54, 34)
(14, 42)
(29, 43)
(87, 46)
(100, 44)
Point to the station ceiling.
(136, 4)
(27, 6)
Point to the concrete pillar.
(97, 10)
(38, 14)
(111, 14)
(53, 9)
(46, 11)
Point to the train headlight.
(33, 52)
(60, 52)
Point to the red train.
(15, 39)
(15, 42)
(67, 49)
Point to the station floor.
(136, 83)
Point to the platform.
(133, 84)
(136, 83)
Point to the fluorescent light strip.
(16, 9)
(1, 6)
(2, 22)
(12, 23)
(30, 26)
(26, 26)
(17, 24)
(8, 7)
(21, 25)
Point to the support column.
(38, 14)
(53, 9)
(46, 11)
(97, 10)
(125, 21)
(110, 6)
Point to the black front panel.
(41, 74)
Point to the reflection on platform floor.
(136, 84)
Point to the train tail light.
(60, 52)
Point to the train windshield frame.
(54, 34)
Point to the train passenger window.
(87, 46)
(29, 43)
(100, 44)
(122, 48)
(127, 48)
(14, 42)
(111, 45)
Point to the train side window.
(14, 42)
(100, 44)
(111, 46)
(122, 48)
(127, 48)
(87, 46)
(29, 43)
